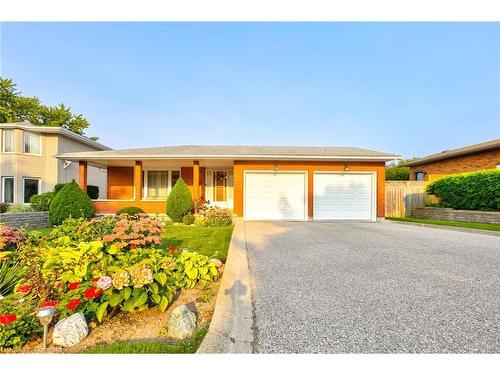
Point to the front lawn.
(44, 231)
(210, 241)
(461, 224)
(153, 347)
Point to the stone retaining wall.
(438, 213)
(31, 220)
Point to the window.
(31, 186)
(8, 189)
(419, 176)
(157, 184)
(32, 143)
(8, 140)
(175, 176)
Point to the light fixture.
(276, 167)
(45, 315)
(346, 168)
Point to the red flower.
(73, 304)
(92, 293)
(7, 319)
(25, 289)
(133, 246)
(95, 279)
(172, 249)
(59, 285)
(73, 286)
(49, 303)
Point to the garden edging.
(231, 329)
(439, 213)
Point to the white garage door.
(346, 196)
(275, 196)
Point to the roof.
(479, 147)
(236, 152)
(25, 125)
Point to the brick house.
(476, 157)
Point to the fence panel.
(402, 196)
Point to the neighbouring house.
(28, 165)
(255, 182)
(484, 155)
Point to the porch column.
(196, 179)
(138, 180)
(82, 175)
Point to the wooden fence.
(402, 196)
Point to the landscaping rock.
(182, 323)
(216, 262)
(70, 331)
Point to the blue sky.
(408, 88)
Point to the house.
(255, 182)
(484, 155)
(28, 165)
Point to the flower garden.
(100, 267)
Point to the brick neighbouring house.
(476, 157)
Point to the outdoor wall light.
(346, 168)
(276, 167)
(45, 315)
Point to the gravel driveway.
(373, 287)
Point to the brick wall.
(466, 163)
(438, 213)
(31, 220)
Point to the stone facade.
(438, 213)
(31, 220)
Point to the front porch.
(147, 183)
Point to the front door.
(220, 186)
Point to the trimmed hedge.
(70, 201)
(469, 191)
(188, 219)
(179, 201)
(130, 210)
(41, 202)
(397, 173)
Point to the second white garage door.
(344, 196)
(275, 196)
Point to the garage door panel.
(343, 196)
(275, 196)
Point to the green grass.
(44, 231)
(186, 346)
(461, 224)
(209, 241)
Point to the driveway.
(372, 287)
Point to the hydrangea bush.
(9, 237)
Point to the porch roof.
(234, 153)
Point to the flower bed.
(99, 267)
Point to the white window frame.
(13, 141)
(25, 132)
(169, 181)
(39, 186)
(13, 189)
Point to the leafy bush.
(4, 207)
(9, 238)
(218, 217)
(188, 219)
(93, 191)
(134, 231)
(469, 191)
(130, 211)
(41, 202)
(179, 201)
(71, 201)
(58, 187)
(18, 323)
(397, 173)
(20, 208)
(200, 221)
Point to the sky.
(406, 88)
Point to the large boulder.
(70, 331)
(182, 323)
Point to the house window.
(419, 176)
(157, 184)
(8, 189)
(175, 175)
(31, 186)
(8, 140)
(32, 143)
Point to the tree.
(70, 201)
(179, 201)
(16, 108)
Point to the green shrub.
(397, 173)
(22, 328)
(58, 187)
(4, 207)
(41, 202)
(188, 219)
(218, 217)
(130, 211)
(20, 208)
(469, 191)
(179, 201)
(93, 191)
(200, 221)
(71, 201)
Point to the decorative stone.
(182, 323)
(216, 262)
(70, 331)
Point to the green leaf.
(102, 311)
(192, 273)
(161, 277)
(115, 299)
(154, 287)
(140, 300)
(125, 293)
(163, 304)
(156, 298)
